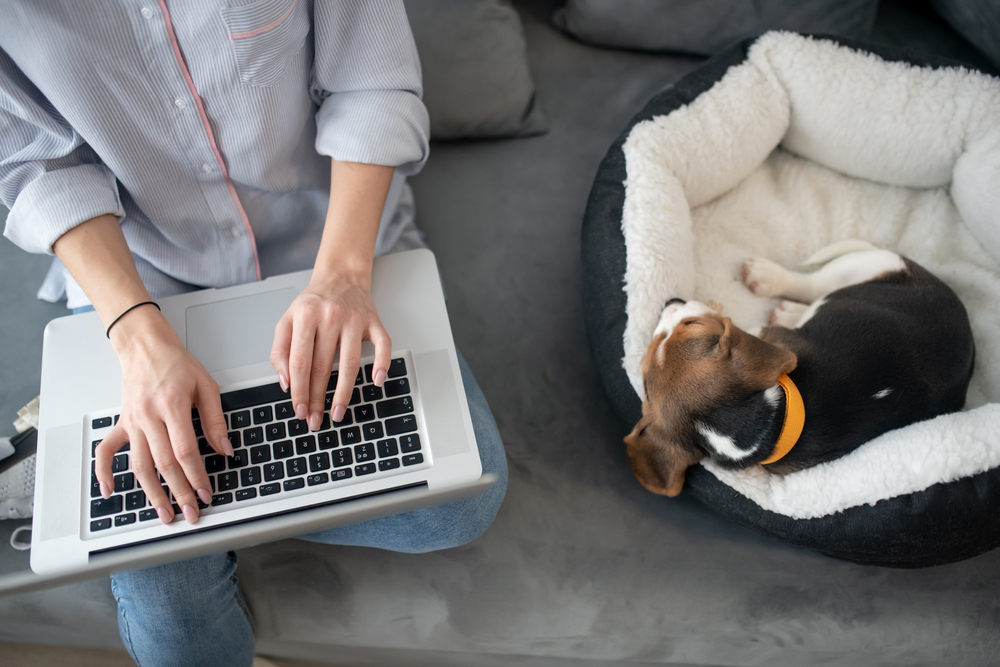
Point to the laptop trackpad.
(236, 332)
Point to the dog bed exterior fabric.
(778, 147)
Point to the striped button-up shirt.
(201, 125)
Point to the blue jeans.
(192, 612)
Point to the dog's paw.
(764, 278)
(787, 314)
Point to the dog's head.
(697, 361)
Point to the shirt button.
(146, 12)
(234, 232)
(179, 103)
(207, 168)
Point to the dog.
(869, 342)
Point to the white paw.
(765, 278)
(787, 314)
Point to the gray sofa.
(582, 566)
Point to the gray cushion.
(978, 22)
(476, 78)
(708, 26)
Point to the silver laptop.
(406, 445)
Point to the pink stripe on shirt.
(254, 33)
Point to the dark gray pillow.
(978, 22)
(475, 65)
(707, 26)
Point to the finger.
(300, 361)
(186, 452)
(213, 422)
(173, 473)
(383, 351)
(350, 362)
(326, 345)
(104, 456)
(145, 473)
(280, 350)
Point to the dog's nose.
(674, 300)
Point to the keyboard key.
(260, 454)
(135, 501)
(403, 424)
(215, 463)
(101, 507)
(235, 440)
(100, 524)
(222, 499)
(332, 384)
(93, 447)
(350, 436)
(273, 471)
(116, 419)
(95, 487)
(203, 447)
(250, 477)
(325, 424)
(102, 422)
(364, 469)
(197, 428)
(291, 484)
(396, 387)
(284, 410)
(246, 494)
(269, 489)
(253, 436)
(124, 519)
(319, 462)
(368, 372)
(413, 459)
(342, 457)
(327, 440)
(229, 481)
(409, 443)
(298, 427)
(387, 448)
(371, 393)
(364, 413)
(305, 445)
(343, 473)
(295, 467)
(388, 464)
(239, 459)
(211, 480)
(395, 406)
(397, 368)
(365, 452)
(347, 420)
(283, 449)
(275, 431)
(120, 463)
(125, 482)
(252, 397)
(262, 415)
(239, 419)
(318, 478)
(355, 397)
(360, 379)
(328, 402)
(372, 431)
(147, 515)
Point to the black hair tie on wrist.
(144, 303)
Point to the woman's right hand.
(161, 382)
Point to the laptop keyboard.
(276, 454)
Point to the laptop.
(406, 445)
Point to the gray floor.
(582, 565)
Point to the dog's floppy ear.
(658, 462)
(759, 362)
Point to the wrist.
(333, 272)
(140, 328)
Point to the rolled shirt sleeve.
(50, 179)
(366, 80)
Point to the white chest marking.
(722, 444)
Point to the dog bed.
(777, 148)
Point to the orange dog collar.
(795, 419)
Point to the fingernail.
(315, 419)
(301, 410)
(227, 447)
(205, 496)
(338, 413)
(166, 516)
(379, 377)
(105, 490)
(282, 381)
(190, 513)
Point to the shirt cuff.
(388, 128)
(57, 201)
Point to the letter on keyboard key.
(240, 419)
(305, 445)
(215, 463)
(284, 410)
(260, 454)
(262, 415)
(283, 449)
(239, 459)
(327, 440)
(372, 431)
(253, 436)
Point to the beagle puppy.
(868, 343)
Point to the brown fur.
(705, 360)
